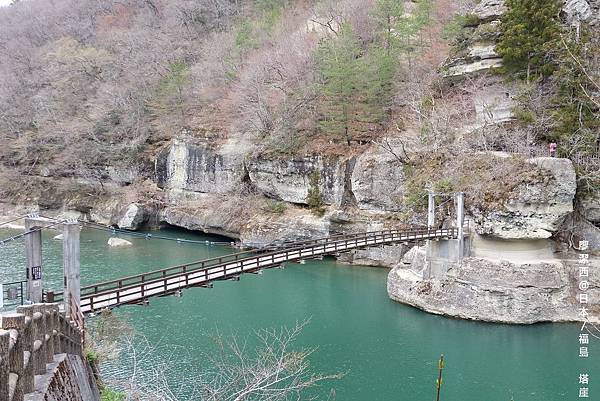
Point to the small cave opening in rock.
(184, 233)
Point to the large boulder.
(578, 10)
(536, 210)
(118, 242)
(209, 213)
(196, 167)
(290, 179)
(132, 217)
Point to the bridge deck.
(137, 289)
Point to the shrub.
(313, 199)
(275, 207)
(107, 394)
(470, 20)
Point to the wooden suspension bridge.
(139, 288)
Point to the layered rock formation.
(537, 210)
(290, 180)
(498, 291)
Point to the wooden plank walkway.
(138, 288)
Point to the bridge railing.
(160, 274)
(184, 273)
(29, 339)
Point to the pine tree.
(388, 17)
(530, 30)
(574, 111)
(378, 69)
(340, 74)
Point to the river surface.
(387, 351)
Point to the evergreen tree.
(577, 122)
(388, 18)
(378, 68)
(530, 30)
(340, 74)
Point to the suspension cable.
(33, 230)
(15, 219)
(102, 227)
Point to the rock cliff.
(498, 290)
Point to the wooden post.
(439, 380)
(72, 289)
(4, 369)
(33, 251)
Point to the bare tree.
(274, 370)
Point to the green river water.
(388, 351)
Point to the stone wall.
(41, 357)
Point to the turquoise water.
(387, 350)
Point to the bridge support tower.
(443, 254)
(71, 265)
(33, 253)
(71, 260)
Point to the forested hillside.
(347, 103)
(95, 84)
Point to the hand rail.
(161, 276)
(213, 262)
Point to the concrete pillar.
(72, 285)
(33, 251)
(460, 221)
(431, 211)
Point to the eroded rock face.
(576, 228)
(208, 213)
(469, 66)
(289, 180)
(497, 291)
(195, 167)
(377, 180)
(591, 209)
(489, 10)
(538, 210)
(278, 230)
(493, 105)
(385, 256)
